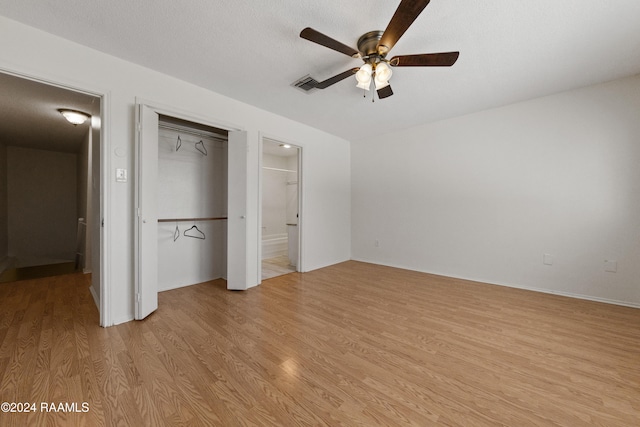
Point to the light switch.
(121, 175)
(547, 259)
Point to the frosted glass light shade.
(74, 117)
(383, 74)
(363, 75)
(380, 84)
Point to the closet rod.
(277, 169)
(192, 219)
(194, 133)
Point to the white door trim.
(301, 151)
(169, 111)
(105, 185)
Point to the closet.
(191, 191)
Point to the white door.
(146, 293)
(96, 222)
(146, 250)
(237, 211)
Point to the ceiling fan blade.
(407, 12)
(335, 79)
(444, 59)
(326, 41)
(385, 92)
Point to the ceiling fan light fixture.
(380, 83)
(363, 75)
(364, 85)
(73, 116)
(382, 76)
(373, 48)
(383, 72)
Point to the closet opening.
(280, 195)
(191, 203)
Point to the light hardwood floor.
(353, 344)
(277, 266)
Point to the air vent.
(306, 84)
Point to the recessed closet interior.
(192, 203)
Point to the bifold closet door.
(146, 294)
(237, 211)
(146, 248)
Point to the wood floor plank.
(353, 344)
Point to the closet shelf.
(217, 218)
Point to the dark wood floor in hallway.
(354, 344)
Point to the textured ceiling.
(250, 50)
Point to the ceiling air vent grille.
(306, 84)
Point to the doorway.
(280, 240)
(50, 180)
(195, 200)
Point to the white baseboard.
(526, 288)
(96, 298)
(123, 319)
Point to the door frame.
(169, 111)
(300, 264)
(105, 235)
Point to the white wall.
(292, 190)
(94, 219)
(484, 196)
(190, 185)
(42, 200)
(274, 195)
(84, 198)
(326, 158)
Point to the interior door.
(237, 211)
(96, 220)
(147, 214)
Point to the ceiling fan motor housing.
(368, 46)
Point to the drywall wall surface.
(42, 200)
(94, 254)
(326, 229)
(190, 184)
(4, 230)
(274, 195)
(84, 202)
(490, 196)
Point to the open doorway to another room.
(280, 208)
(49, 181)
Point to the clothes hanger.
(197, 234)
(201, 148)
(176, 233)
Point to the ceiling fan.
(373, 48)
